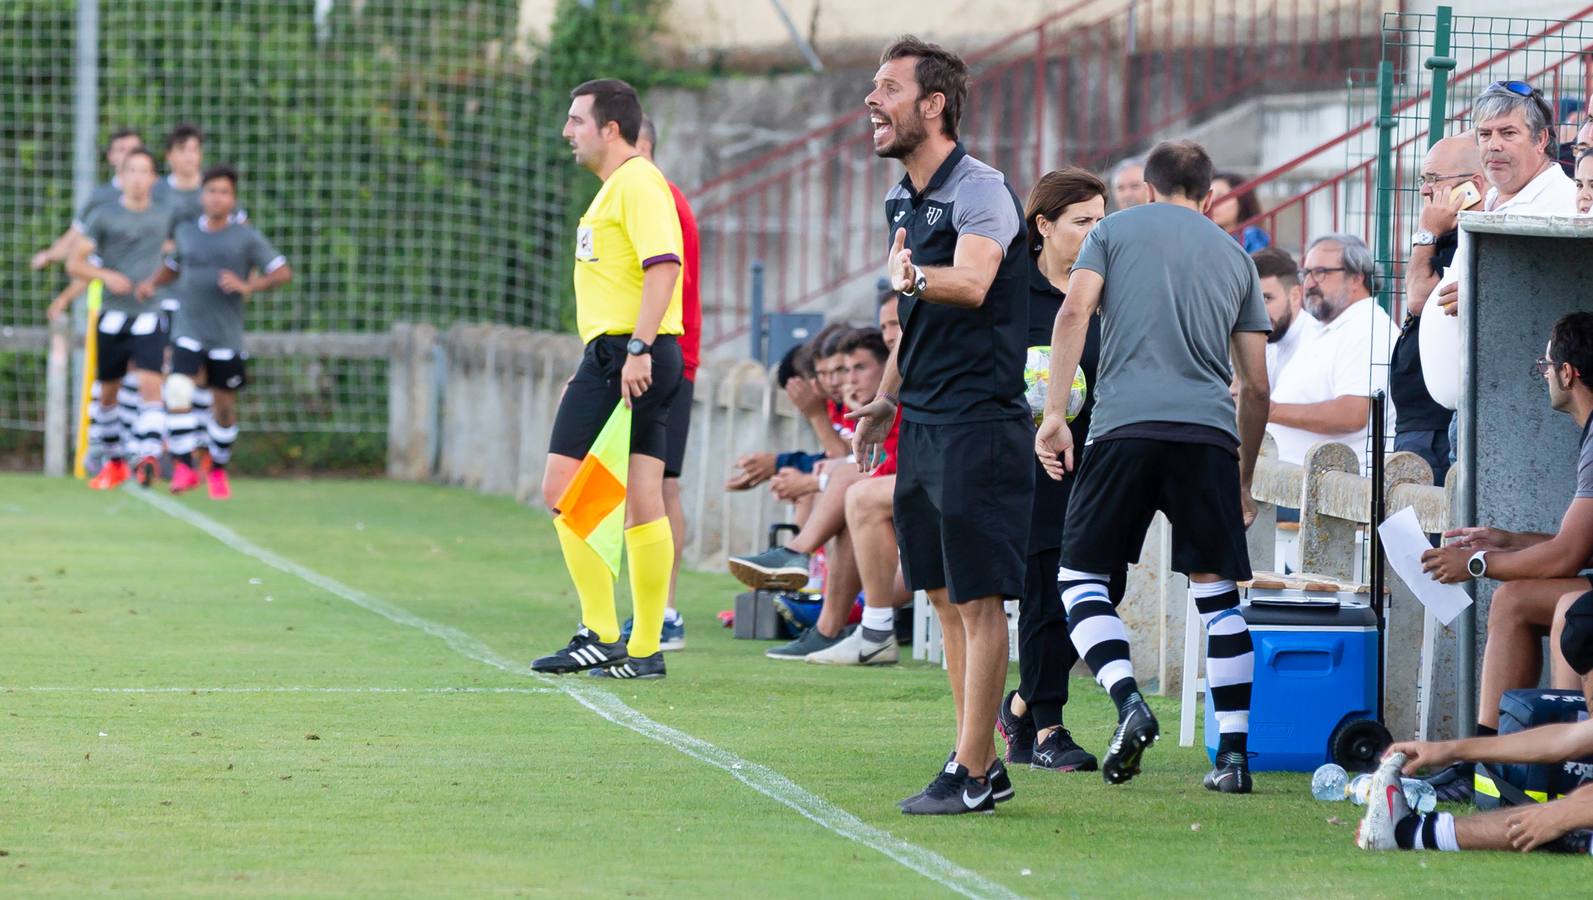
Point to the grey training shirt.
(130, 243)
(184, 204)
(209, 315)
(102, 195)
(1177, 287)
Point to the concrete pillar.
(1327, 544)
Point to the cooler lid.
(1357, 616)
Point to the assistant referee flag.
(592, 507)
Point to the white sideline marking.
(276, 690)
(760, 778)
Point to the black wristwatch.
(637, 348)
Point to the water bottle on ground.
(1419, 795)
(1360, 788)
(1328, 782)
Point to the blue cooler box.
(1316, 668)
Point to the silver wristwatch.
(1423, 238)
(916, 289)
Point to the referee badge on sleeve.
(585, 249)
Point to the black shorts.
(679, 429)
(593, 393)
(223, 368)
(139, 340)
(1123, 483)
(962, 502)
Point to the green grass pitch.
(180, 718)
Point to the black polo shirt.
(1051, 497)
(1414, 408)
(962, 365)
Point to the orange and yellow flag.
(593, 505)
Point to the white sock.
(671, 615)
(879, 618)
(1445, 831)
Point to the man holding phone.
(1451, 182)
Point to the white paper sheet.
(1403, 546)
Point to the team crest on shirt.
(585, 249)
(933, 214)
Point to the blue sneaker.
(673, 636)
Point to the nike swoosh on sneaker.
(865, 657)
(974, 802)
(1391, 789)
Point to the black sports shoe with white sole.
(635, 667)
(1017, 731)
(1136, 731)
(1060, 753)
(1231, 775)
(1000, 782)
(584, 651)
(953, 793)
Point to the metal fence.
(1090, 84)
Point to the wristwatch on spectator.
(1478, 564)
(1423, 238)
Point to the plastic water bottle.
(1328, 782)
(1360, 788)
(1421, 796)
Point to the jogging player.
(219, 264)
(628, 310)
(957, 257)
(122, 141)
(1176, 295)
(121, 247)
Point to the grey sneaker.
(811, 641)
(775, 569)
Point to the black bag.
(1518, 784)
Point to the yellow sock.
(650, 555)
(593, 583)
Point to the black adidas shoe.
(1017, 731)
(1232, 774)
(1060, 753)
(1000, 782)
(1453, 783)
(635, 667)
(584, 651)
(953, 792)
(1135, 732)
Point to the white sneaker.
(1385, 806)
(855, 650)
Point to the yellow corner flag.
(90, 364)
(593, 505)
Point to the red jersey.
(838, 420)
(888, 467)
(690, 288)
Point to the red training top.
(690, 289)
(888, 467)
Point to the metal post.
(1440, 64)
(755, 302)
(1385, 177)
(57, 399)
(85, 167)
(1374, 562)
(802, 45)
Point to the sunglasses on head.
(1523, 89)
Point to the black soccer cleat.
(1060, 753)
(1017, 731)
(1232, 774)
(584, 651)
(953, 793)
(1000, 782)
(1135, 732)
(643, 667)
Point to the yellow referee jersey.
(630, 225)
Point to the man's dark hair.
(140, 151)
(1275, 262)
(796, 363)
(120, 133)
(613, 101)
(183, 133)
(1571, 341)
(1179, 167)
(869, 339)
(938, 71)
(1249, 206)
(831, 345)
(220, 170)
(649, 131)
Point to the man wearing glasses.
(1540, 572)
(1451, 181)
(1325, 392)
(1515, 132)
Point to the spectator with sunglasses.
(1540, 572)
(1515, 132)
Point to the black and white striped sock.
(202, 418)
(183, 434)
(1230, 660)
(1098, 633)
(127, 402)
(105, 429)
(222, 437)
(150, 426)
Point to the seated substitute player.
(1559, 826)
(121, 247)
(629, 311)
(218, 265)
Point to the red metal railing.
(1346, 201)
(1084, 86)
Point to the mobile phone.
(1467, 194)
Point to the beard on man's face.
(906, 134)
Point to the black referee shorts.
(1123, 483)
(679, 429)
(962, 507)
(592, 394)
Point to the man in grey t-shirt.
(1182, 312)
(1540, 572)
(218, 264)
(121, 248)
